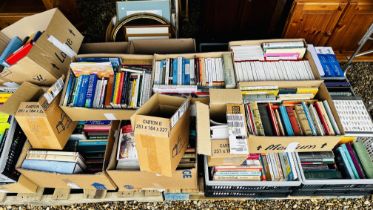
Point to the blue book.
(175, 71)
(14, 44)
(286, 121)
(186, 71)
(83, 91)
(346, 162)
(93, 143)
(91, 90)
(158, 7)
(309, 119)
(330, 65)
(52, 166)
(97, 122)
(70, 85)
(76, 90)
(350, 162)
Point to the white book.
(253, 70)
(179, 70)
(156, 72)
(97, 93)
(278, 74)
(246, 71)
(309, 70)
(331, 118)
(213, 69)
(147, 30)
(250, 72)
(187, 71)
(136, 92)
(319, 128)
(192, 72)
(299, 71)
(285, 71)
(237, 67)
(167, 73)
(241, 71)
(102, 94)
(261, 71)
(316, 59)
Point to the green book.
(322, 174)
(364, 158)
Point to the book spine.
(355, 161)
(76, 91)
(293, 121)
(364, 158)
(309, 119)
(120, 88)
(91, 90)
(350, 162)
(264, 115)
(258, 122)
(322, 118)
(286, 121)
(179, 70)
(273, 119)
(331, 118)
(69, 89)
(303, 120)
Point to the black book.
(3, 141)
(342, 167)
(266, 121)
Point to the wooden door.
(351, 28)
(314, 20)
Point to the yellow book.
(4, 97)
(257, 92)
(306, 90)
(133, 89)
(116, 88)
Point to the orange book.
(109, 91)
(293, 121)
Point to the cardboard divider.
(307, 55)
(45, 63)
(82, 113)
(185, 179)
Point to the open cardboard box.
(216, 150)
(96, 181)
(307, 55)
(161, 129)
(266, 144)
(23, 185)
(185, 179)
(45, 125)
(84, 114)
(45, 63)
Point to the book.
(316, 120)
(331, 118)
(52, 166)
(82, 93)
(309, 118)
(364, 158)
(274, 121)
(322, 117)
(346, 163)
(229, 78)
(91, 90)
(56, 156)
(304, 124)
(350, 162)
(14, 44)
(286, 121)
(355, 161)
(293, 121)
(19, 54)
(257, 119)
(266, 121)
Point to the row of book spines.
(274, 120)
(194, 76)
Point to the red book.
(119, 97)
(293, 121)
(322, 119)
(272, 116)
(250, 118)
(19, 54)
(96, 128)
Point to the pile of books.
(260, 167)
(17, 49)
(330, 65)
(319, 165)
(271, 61)
(189, 159)
(192, 75)
(54, 161)
(127, 154)
(107, 83)
(12, 142)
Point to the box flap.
(105, 47)
(23, 185)
(26, 92)
(203, 129)
(162, 46)
(220, 97)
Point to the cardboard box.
(267, 144)
(217, 150)
(186, 179)
(23, 185)
(96, 181)
(161, 128)
(307, 55)
(45, 63)
(146, 47)
(82, 113)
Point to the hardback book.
(350, 162)
(56, 156)
(309, 118)
(355, 161)
(364, 158)
(323, 118)
(286, 121)
(257, 120)
(273, 119)
(62, 167)
(343, 163)
(14, 44)
(316, 120)
(304, 124)
(229, 78)
(293, 120)
(265, 118)
(127, 155)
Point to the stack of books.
(17, 49)
(127, 154)
(107, 83)
(319, 165)
(12, 142)
(193, 75)
(54, 161)
(189, 159)
(259, 167)
(271, 61)
(147, 32)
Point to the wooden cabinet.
(336, 23)
(352, 26)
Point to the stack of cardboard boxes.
(161, 126)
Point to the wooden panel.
(313, 21)
(351, 28)
(7, 19)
